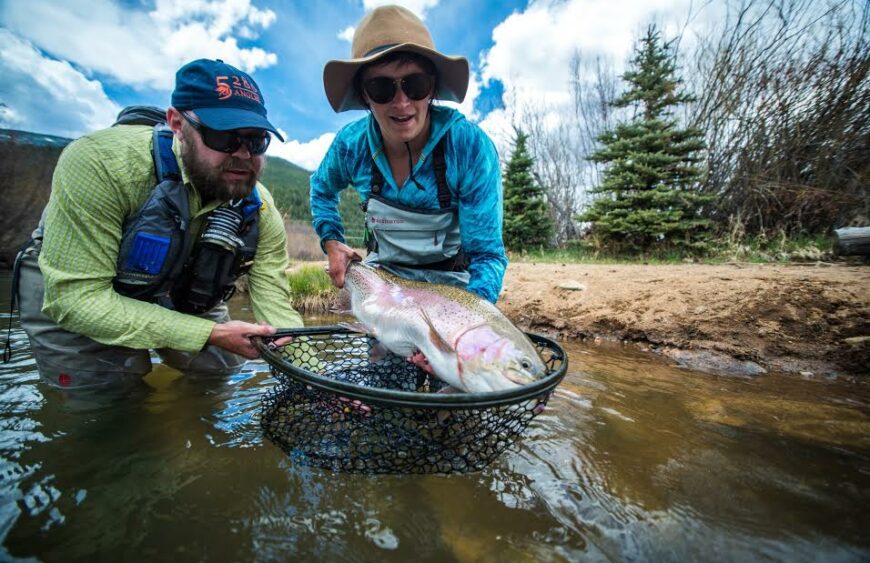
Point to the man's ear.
(175, 122)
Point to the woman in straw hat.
(428, 179)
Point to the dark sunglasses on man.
(382, 89)
(230, 141)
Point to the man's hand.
(235, 336)
(419, 360)
(339, 256)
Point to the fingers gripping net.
(335, 406)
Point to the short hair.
(402, 57)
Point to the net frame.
(332, 407)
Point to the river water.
(633, 460)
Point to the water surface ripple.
(633, 460)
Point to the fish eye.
(526, 364)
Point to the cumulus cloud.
(138, 48)
(532, 49)
(305, 154)
(49, 95)
(346, 34)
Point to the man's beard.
(208, 180)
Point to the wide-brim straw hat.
(383, 31)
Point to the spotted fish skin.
(468, 342)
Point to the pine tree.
(527, 222)
(648, 196)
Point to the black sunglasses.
(229, 141)
(382, 89)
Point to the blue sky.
(70, 65)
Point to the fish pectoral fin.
(342, 304)
(435, 337)
(378, 353)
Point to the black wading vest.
(158, 260)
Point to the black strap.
(456, 263)
(438, 163)
(13, 300)
(440, 166)
(141, 115)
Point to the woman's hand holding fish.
(339, 256)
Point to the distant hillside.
(27, 162)
(290, 186)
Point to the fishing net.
(338, 406)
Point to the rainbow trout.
(468, 342)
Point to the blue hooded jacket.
(473, 175)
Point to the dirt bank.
(741, 318)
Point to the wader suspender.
(438, 163)
(459, 262)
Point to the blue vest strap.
(165, 164)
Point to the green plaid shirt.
(100, 180)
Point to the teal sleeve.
(327, 182)
(481, 210)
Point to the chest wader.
(73, 361)
(416, 244)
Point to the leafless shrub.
(561, 138)
(784, 99)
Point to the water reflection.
(632, 460)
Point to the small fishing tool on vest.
(340, 403)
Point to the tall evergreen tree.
(648, 196)
(527, 222)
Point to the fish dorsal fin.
(435, 337)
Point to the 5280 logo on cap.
(228, 86)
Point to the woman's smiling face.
(401, 119)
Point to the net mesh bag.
(338, 406)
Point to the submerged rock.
(713, 362)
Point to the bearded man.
(144, 235)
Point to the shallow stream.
(633, 459)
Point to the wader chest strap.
(438, 163)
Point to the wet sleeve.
(481, 212)
(83, 230)
(327, 182)
(267, 278)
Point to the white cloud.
(347, 34)
(48, 95)
(467, 105)
(138, 48)
(9, 118)
(532, 49)
(419, 7)
(307, 155)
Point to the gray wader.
(416, 244)
(407, 240)
(72, 361)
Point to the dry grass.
(302, 242)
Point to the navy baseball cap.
(222, 96)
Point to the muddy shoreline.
(741, 319)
